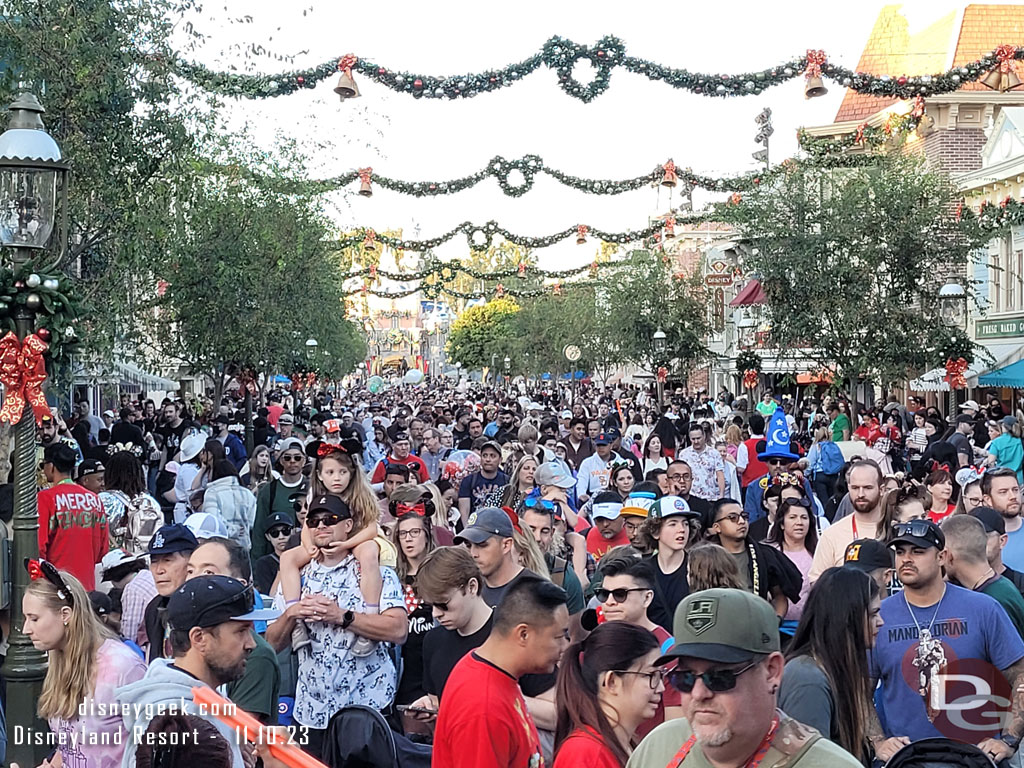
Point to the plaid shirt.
(136, 596)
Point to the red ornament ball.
(43, 333)
(600, 53)
(382, 71)
(300, 80)
(901, 80)
(417, 83)
(19, 284)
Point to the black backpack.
(360, 737)
(940, 753)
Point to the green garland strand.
(446, 271)
(562, 55)
(993, 217)
(434, 290)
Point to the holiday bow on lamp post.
(955, 373)
(22, 372)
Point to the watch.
(347, 619)
(1010, 741)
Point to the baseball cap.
(192, 445)
(111, 414)
(920, 533)
(867, 555)
(172, 538)
(292, 443)
(329, 503)
(279, 518)
(115, 558)
(332, 426)
(604, 438)
(401, 437)
(101, 603)
(285, 418)
(963, 418)
(554, 473)
(670, 506)
(89, 467)
(1009, 421)
(565, 415)
(205, 525)
(990, 518)
(638, 504)
(970, 405)
(494, 445)
(484, 523)
(222, 419)
(206, 601)
(607, 505)
(724, 625)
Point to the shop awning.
(1009, 376)
(750, 294)
(814, 377)
(935, 379)
(132, 374)
(1002, 355)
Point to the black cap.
(329, 503)
(991, 519)
(920, 533)
(222, 419)
(101, 603)
(963, 418)
(279, 518)
(401, 437)
(206, 601)
(172, 538)
(868, 555)
(90, 467)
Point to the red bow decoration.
(405, 508)
(373, 271)
(735, 198)
(35, 571)
(815, 61)
(370, 239)
(670, 227)
(858, 135)
(22, 372)
(499, 290)
(955, 373)
(669, 177)
(522, 268)
(581, 232)
(935, 467)
(326, 449)
(1007, 55)
(346, 62)
(514, 518)
(918, 111)
(557, 289)
(750, 377)
(959, 210)
(365, 174)
(662, 374)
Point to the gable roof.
(958, 37)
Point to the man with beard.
(210, 620)
(928, 624)
(1001, 491)
(728, 671)
(865, 487)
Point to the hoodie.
(164, 690)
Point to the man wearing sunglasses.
(274, 497)
(728, 671)
(279, 531)
(777, 452)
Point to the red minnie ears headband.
(41, 569)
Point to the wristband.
(1011, 741)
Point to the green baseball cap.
(725, 625)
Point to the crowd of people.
(514, 579)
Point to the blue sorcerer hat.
(777, 443)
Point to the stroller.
(360, 737)
(940, 753)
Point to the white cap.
(205, 525)
(116, 557)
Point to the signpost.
(572, 354)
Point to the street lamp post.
(660, 344)
(33, 190)
(508, 369)
(953, 308)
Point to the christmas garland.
(447, 271)
(867, 136)
(667, 174)
(52, 301)
(995, 69)
(993, 217)
(434, 290)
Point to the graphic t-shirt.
(477, 488)
(598, 545)
(972, 627)
(483, 721)
(72, 530)
(584, 746)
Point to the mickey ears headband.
(42, 569)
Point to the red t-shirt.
(584, 747)
(669, 698)
(415, 464)
(598, 545)
(483, 722)
(938, 518)
(72, 530)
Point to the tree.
(482, 331)
(851, 261)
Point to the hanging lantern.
(670, 228)
(346, 87)
(364, 182)
(581, 234)
(1003, 77)
(814, 86)
(669, 176)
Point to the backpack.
(558, 571)
(831, 458)
(141, 519)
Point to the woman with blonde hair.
(86, 663)
(519, 485)
(733, 439)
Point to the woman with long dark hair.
(607, 686)
(795, 535)
(826, 681)
(940, 486)
(654, 457)
(413, 538)
(133, 516)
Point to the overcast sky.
(623, 133)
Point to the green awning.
(1010, 376)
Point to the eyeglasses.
(314, 521)
(678, 476)
(412, 533)
(653, 678)
(277, 533)
(715, 680)
(734, 518)
(620, 595)
(293, 458)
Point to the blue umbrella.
(281, 379)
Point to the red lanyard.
(754, 762)
(853, 521)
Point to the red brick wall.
(956, 151)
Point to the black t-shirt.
(492, 595)
(669, 591)
(172, 438)
(421, 622)
(442, 650)
(155, 624)
(125, 432)
(265, 571)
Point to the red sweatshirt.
(72, 530)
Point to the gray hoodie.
(165, 690)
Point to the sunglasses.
(276, 533)
(620, 595)
(917, 528)
(247, 596)
(715, 680)
(547, 504)
(293, 458)
(776, 462)
(801, 502)
(314, 521)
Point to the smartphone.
(415, 710)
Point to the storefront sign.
(718, 281)
(1004, 326)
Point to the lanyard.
(754, 761)
(853, 522)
